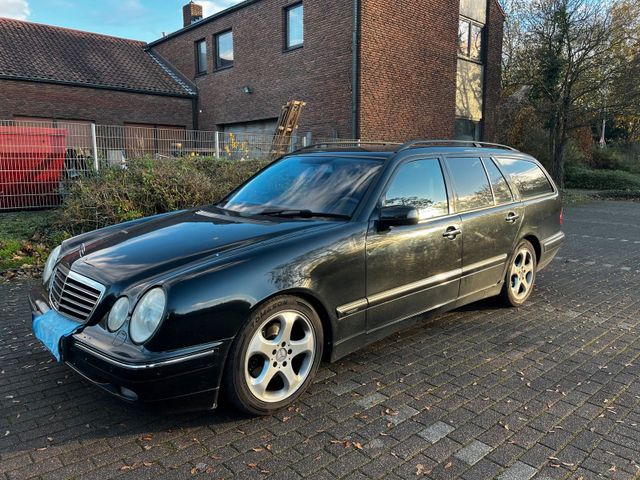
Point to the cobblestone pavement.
(547, 391)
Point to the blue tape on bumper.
(51, 327)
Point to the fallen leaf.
(422, 470)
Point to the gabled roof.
(44, 53)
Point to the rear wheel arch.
(537, 246)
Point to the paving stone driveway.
(551, 390)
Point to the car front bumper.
(185, 379)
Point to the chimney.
(191, 13)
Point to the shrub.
(606, 158)
(148, 187)
(588, 179)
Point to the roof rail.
(343, 143)
(433, 143)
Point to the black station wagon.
(321, 253)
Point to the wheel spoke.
(302, 346)
(259, 385)
(518, 261)
(259, 344)
(287, 320)
(291, 378)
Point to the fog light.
(128, 394)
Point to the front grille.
(74, 295)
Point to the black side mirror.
(397, 216)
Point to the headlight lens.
(48, 267)
(118, 314)
(147, 315)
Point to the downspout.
(355, 69)
(485, 69)
(195, 113)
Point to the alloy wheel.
(280, 356)
(521, 274)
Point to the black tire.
(235, 381)
(515, 292)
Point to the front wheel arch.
(317, 304)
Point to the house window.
(201, 56)
(294, 18)
(466, 129)
(224, 50)
(470, 40)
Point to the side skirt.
(351, 344)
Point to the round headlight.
(147, 315)
(51, 262)
(118, 314)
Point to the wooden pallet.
(287, 123)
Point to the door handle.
(512, 217)
(452, 232)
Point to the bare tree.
(566, 53)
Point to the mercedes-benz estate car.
(321, 253)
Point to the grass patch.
(26, 239)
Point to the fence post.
(217, 144)
(94, 146)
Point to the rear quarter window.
(527, 176)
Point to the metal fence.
(39, 160)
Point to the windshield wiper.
(302, 214)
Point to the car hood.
(160, 244)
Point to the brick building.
(372, 69)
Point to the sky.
(137, 19)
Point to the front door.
(490, 221)
(411, 269)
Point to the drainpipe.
(355, 69)
(485, 73)
(195, 112)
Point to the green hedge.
(147, 187)
(589, 179)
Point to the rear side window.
(419, 184)
(471, 183)
(501, 190)
(528, 177)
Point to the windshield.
(329, 185)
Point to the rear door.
(490, 217)
(414, 268)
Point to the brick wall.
(107, 107)
(408, 69)
(495, 23)
(319, 73)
